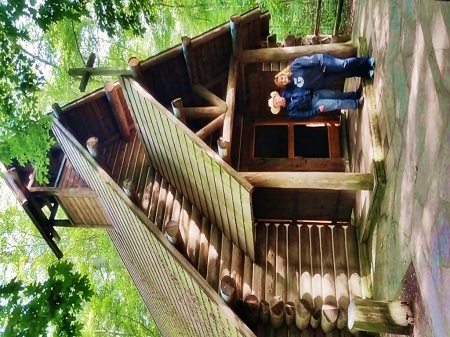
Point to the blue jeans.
(339, 69)
(334, 100)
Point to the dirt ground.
(410, 293)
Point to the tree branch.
(137, 322)
(37, 58)
(76, 42)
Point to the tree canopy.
(36, 308)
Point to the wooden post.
(57, 111)
(380, 317)
(341, 50)
(230, 100)
(277, 312)
(235, 21)
(87, 74)
(92, 146)
(223, 148)
(227, 289)
(112, 94)
(264, 311)
(137, 72)
(290, 313)
(251, 309)
(320, 180)
(130, 191)
(187, 50)
(178, 111)
(172, 229)
(214, 125)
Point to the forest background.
(39, 42)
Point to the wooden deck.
(315, 262)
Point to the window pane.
(311, 142)
(271, 141)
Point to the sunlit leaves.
(32, 309)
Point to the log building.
(231, 221)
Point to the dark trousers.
(339, 69)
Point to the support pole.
(264, 311)
(137, 72)
(277, 312)
(290, 313)
(227, 132)
(251, 309)
(340, 50)
(227, 289)
(172, 229)
(186, 45)
(178, 110)
(223, 148)
(130, 191)
(380, 317)
(92, 146)
(112, 94)
(235, 30)
(338, 18)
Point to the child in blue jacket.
(303, 104)
(320, 70)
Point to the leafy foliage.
(35, 308)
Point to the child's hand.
(322, 108)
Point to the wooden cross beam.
(89, 71)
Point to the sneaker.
(372, 62)
(371, 74)
(360, 101)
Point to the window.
(293, 139)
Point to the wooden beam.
(86, 74)
(209, 96)
(230, 100)
(205, 112)
(211, 127)
(178, 110)
(112, 93)
(316, 180)
(84, 192)
(379, 168)
(235, 24)
(380, 317)
(341, 50)
(100, 71)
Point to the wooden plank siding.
(185, 303)
(193, 168)
(83, 210)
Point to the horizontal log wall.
(83, 211)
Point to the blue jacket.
(299, 103)
(308, 72)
